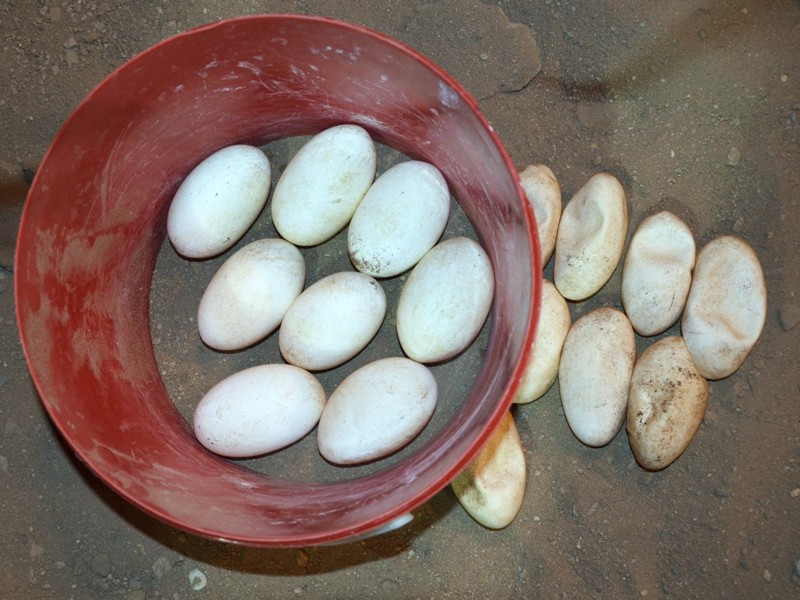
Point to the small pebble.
(734, 156)
(100, 564)
(197, 579)
(789, 316)
(302, 558)
(767, 575)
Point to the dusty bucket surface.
(95, 221)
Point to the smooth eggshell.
(376, 410)
(492, 487)
(246, 299)
(332, 320)
(401, 217)
(657, 273)
(445, 300)
(318, 192)
(726, 307)
(218, 201)
(542, 368)
(259, 410)
(543, 192)
(591, 236)
(666, 403)
(594, 374)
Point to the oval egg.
(445, 300)
(657, 273)
(542, 368)
(591, 236)
(332, 320)
(594, 374)
(400, 218)
(248, 296)
(259, 410)
(667, 400)
(376, 410)
(726, 307)
(322, 185)
(218, 201)
(492, 487)
(543, 192)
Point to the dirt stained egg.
(318, 192)
(259, 410)
(541, 370)
(726, 307)
(666, 403)
(218, 201)
(657, 273)
(248, 296)
(332, 320)
(594, 374)
(544, 194)
(445, 300)
(377, 410)
(401, 217)
(591, 237)
(492, 487)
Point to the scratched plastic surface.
(95, 221)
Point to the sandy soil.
(693, 105)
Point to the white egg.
(591, 236)
(400, 218)
(594, 374)
(332, 320)
(218, 201)
(543, 192)
(542, 368)
(322, 185)
(445, 300)
(376, 410)
(492, 487)
(259, 410)
(246, 299)
(667, 400)
(657, 273)
(726, 307)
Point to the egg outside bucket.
(95, 221)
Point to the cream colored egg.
(376, 410)
(318, 192)
(400, 218)
(218, 201)
(246, 299)
(726, 307)
(445, 300)
(591, 236)
(259, 410)
(543, 192)
(594, 374)
(666, 403)
(492, 487)
(542, 368)
(657, 273)
(332, 320)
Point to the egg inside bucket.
(84, 268)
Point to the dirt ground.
(692, 104)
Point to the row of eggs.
(718, 294)
(394, 224)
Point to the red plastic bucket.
(95, 220)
